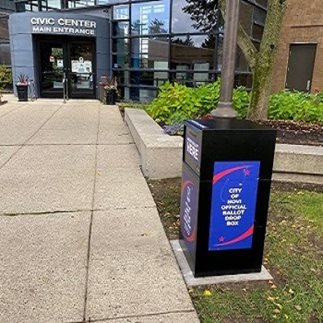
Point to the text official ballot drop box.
(227, 168)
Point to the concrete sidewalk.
(81, 238)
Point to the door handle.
(308, 86)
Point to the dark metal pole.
(225, 107)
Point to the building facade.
(6, 8)
(143, 43)
(299, 58)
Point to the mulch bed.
(296, 133)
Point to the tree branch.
(247, 47)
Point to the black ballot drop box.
(227, 169)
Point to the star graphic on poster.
(221, 239)
(246, 172)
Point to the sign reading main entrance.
(50, 25)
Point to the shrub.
(176, 102)
(5, 77)
(298, 106)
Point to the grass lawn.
(293, 255)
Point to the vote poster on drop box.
(233, 206)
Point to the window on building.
(121, 12)
(153, 43)
(194, 16)
(149, 52)
(5, 53)
(150, 18)
(193, 57)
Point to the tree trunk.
(263, 70)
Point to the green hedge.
(176, 103)
(298, 106)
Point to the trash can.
(227, 169)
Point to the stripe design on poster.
(233, 207)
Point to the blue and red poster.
(234, 197)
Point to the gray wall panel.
(22, 42)
(21, 39)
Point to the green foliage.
(5, 77)
(176, 102)
(241, 100)
(298, 106)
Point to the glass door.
(81, 69)
(70, 58)
(52, 63)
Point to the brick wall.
(303, 23)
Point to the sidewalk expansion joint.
(155, 314)
(5, 114)
(44, 212)
(65, 144)
(14, 214)
(28, 139)
(91, 219)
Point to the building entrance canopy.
(30, 31)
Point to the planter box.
(110, 98)
(161, 154)
(22, 93)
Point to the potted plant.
(22, 87)
(111, 91)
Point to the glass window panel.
(120, 48)
(4, 32)
(219, 51)
(193, 53)
(141, 94)
(243, 80)
(147, 95)
(122, 77)
(241, 64)
(150, 18)
(246, 13)
(134, 94)
(126, 93)
(120, 61)
(257, 32)
(198, 16)
(149, 52)
(263, 3)
(121, 28)
(54, 4)
(148, 78)
(85, 3)
(5, 54)
(121, 12)
(259, 16)
(257, 44)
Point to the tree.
(157, 27)
(187, 42)
(261, 61)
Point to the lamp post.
(225, 107)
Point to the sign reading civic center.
(51, 25)
(234, 197)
